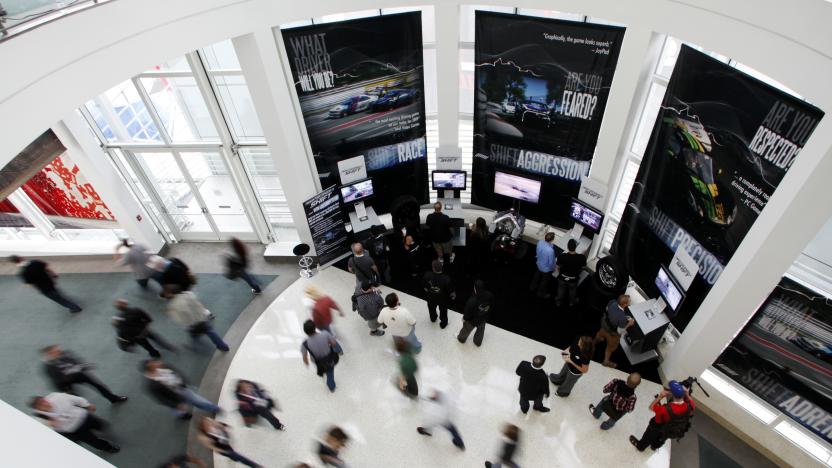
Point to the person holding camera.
(672, 419)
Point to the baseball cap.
(676, 389)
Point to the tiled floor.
(383, 423)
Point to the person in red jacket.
(672, 419)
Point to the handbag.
(325, 363)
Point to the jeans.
(467, 327)
(85, 434)
(250, 280)
(232, 455)
(56, 296)
(83, 377)
(524, 403)
(198, 401)
(565, 287)
(413, 340)
(443, 311)
(599, 410)
(540, 283)
(330, 379)
(208, 331)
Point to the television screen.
(357, 191)
(586, 216)
(448, 180)
(517, 187)
(669, 289)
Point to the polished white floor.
(382, 422)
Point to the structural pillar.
(447, 58)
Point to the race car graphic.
(352, 105)
(395, 98)
(532, 109)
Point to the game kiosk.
(588, 221)
(651, 317)
(353, 195)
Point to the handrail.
(29, 20)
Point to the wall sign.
(683, 267)
(352, 169)
(593, 192)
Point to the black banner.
(361, 89)
(541, 88)
(326, 224)
(721, 144)
(784, 354)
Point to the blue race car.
(395, 98)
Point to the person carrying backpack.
(440, 292)
(672, 419)
(379, 251)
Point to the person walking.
(169, 387)
(545, 262)
(215, 436)
(174, 274)
(616, 317)
(367, 301)
(439, 233)
(321, 312)
(438, 412)
(254, 402)
(362, 265)
(534, 386)
(322, 346)
(330, 448)
(569, 265)
(72, 417)
(186, 309)
(671, 420)
(408, 368)
(38, 275)
(379, 250)
(508, 448)
(439, 290)
(65, 371)
(476, 311)
(136, 257)
(132, 326)
(620, 400)
(399, 322)
(576, 363)
(236, 265)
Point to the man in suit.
(65, 371)
(534, 384)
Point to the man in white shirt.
(71, 416)
(186, 309)
(399, 322)
(438, 412)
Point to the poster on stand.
(541, 88)
(721, 144)
(784, 355)
(326, 224)
(360, 85)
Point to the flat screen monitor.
(357, 191)
(669, 289)
(586, 216)
(448, 180)
(514, 186)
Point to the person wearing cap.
(671, 420)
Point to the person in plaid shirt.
(620, 401)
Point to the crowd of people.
(73, 416)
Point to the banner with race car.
(541, 88)
(784, 355)
(721, 144)
(361, 90)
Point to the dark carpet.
(146, 431)
(517, 309)
(712, 457)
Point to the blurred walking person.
(167, 386)
(437, 411)
(236, 265)
(508, 448)
(72, 417)
(136, 257)
(254, 402)
(399, 322)
(215, 436)
(322, 307)
(38, 275)
(132, 326)
(576, 361)
(322, 346)
(329, 449)
(368, 303)
(186, 309)
(407, 367)
(475, 314)
(66, 370)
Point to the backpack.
(378, 247)
(677, 425)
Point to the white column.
(280, 118)
(799, 208)
(93, 163)
(34, 215)
(447, 65)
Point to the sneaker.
(377, 332)
(542, 409)
(460, 445)
(256, 291)
(634, 441)
(113, 448)
(421, 430)
(592, 411)
(75, 311)
(443, 325)
(282, 427)
(118, 399)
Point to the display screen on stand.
(357, 191)
(586, 216)
(449, 180)
(670, 291)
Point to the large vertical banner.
(326, 224)
(541, 89)
(784, 355)
(361, 89)
(721, 144)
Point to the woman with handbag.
(400, 322)
(321, 345)
(254, 402)
(236, 265)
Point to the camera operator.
(672, 419)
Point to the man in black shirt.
(64, 370)
(534, 385)
(570, 265)
(38, 274)
(132, 326)
(439, 231)
(440, 291)
(379, 251)
(476, 312)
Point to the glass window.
(648, 118)
(296, 24)
(670, 52)
(346, 16)
(596, 20)
(238, 107)
(466, 81)
(466, 143)
(181, 108)
(550, 14)
(176, 64)
(765, 79)
(221, 56)
(267, 187)
(121, 115)
(623, 194)
(466, 19)
(431, 97)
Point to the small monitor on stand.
(355, 193)
(587, 216)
